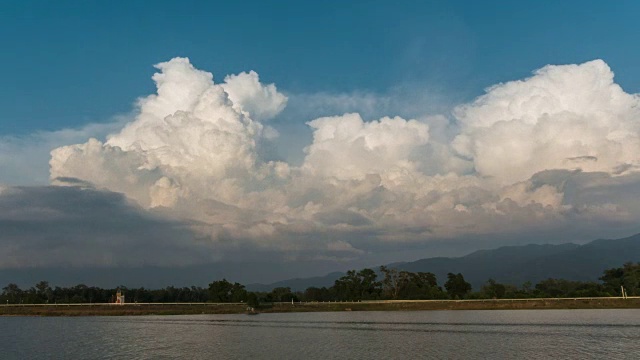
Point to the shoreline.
(134, 309)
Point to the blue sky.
(370, 132)
(71, 62)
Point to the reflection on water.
(346, 335)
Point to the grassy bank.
(189, 309)
(120, 310)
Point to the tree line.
(366, 284)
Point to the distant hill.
(299, 283)
(510, 264)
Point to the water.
(538, 334)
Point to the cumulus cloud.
(189, 138)
(520, 158)
(564, 117)
(24, 159)
(261, 102)
(346, 147)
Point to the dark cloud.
(70, 226)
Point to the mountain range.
(509, 264)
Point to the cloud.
(261, 102)
(189, 138)
(24, 160)
(346, 147)
(70, 226)
(564, 117)
(523, 158)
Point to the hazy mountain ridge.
(299, 283)
(509, 264)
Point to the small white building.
(119, 298)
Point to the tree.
(359, 285)
(252, 300)
(456, 286)
(628, 276)
(493, 290)
(44, 291)
(346, 287)
(12, 292)
(613, 279)
(238, 293)
(317, 294)
(590, 289)
(282, 294)
(224, 291)
(407, 285)
(393, 281)
(421, 285)
(369, 287)
(556, 288)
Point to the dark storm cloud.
(50, 226)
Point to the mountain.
(299, 283)
(510, 264)
(155, 277)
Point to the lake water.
(541, 334)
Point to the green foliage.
(318, 294)
(407, 285)
(559, 288)
(42, 293)
(628, 276)
(12, 294)
(253, 300)
(393, 282)
(354, 286)
(456, 286)
(493, 290)
(223, 291)
(281, 294)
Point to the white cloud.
(346, 147)
(261, 102)
(194, 152)
(24, 159)
(190, 135)
(564, 117)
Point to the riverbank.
(391, 305)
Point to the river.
(493, 334)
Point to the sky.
(272, 140)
